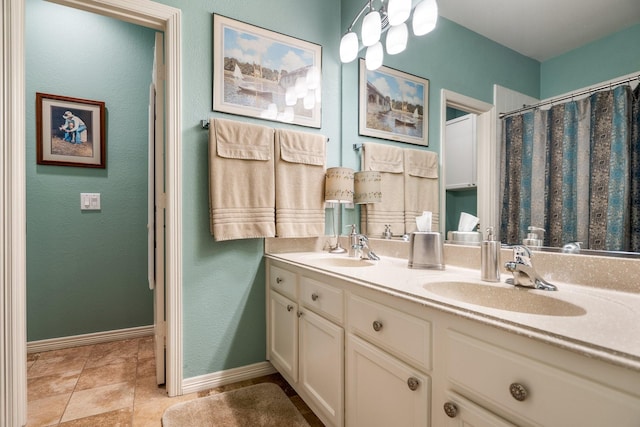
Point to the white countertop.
(605, 324)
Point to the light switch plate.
(90, 201)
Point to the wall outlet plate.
(90, 201)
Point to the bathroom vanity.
(378, 344)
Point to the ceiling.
(542, 29)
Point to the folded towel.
(389, 161)
(421, 188)
(300, 168)
(241, 180)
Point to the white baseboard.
(88, 339)
(217, 379)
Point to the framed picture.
(70, 131)
(393, 105)
(260, 73)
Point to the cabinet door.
(321, 364)
(283, 331)
(460, 412)
(382, 391)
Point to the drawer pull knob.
(413, 383)
(518, 391)
(279, 280)
(314, 296)
(450, 409)
(300, 314)
(377, 325)
(289, 307)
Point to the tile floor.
(112, 384)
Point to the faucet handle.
(522, 255)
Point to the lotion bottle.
(490, 258)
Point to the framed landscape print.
(393, 105)
(264, 74)
(70, 131)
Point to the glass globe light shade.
(397, 37)
(425, 17)
(313, 78)
(371, 28)
(398, 11)
(348, 47)
(301, 87)
(374, 56)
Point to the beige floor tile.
(146, 348)
(108, 374)
(46, 411)
(69, 363)
(146, 367)
(147, 391)
(120, 418)
(94, 401)
(149, 414)
(51, 385)
(113, 352)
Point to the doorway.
(12, 193)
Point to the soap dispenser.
(535, 237)
(490, 258)
(354, 242)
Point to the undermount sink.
(339, 261)
(510, 299)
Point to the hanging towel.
(241, 180)
(300, 168)
(389, 161)
(421, 188)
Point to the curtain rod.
(572, 95)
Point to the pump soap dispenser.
(490, 258)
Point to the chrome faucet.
(523, 272)
(362, 247)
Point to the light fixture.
(338, 189)
(390, 17)
(367, 188)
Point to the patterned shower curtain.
(568, 170)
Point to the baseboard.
(88, 339)
(217, 379)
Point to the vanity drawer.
(283, 281)
(407, 337)
(325, 300)
(553, 396)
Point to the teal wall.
(87, 271)
(601, 60)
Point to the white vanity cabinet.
(304, 343)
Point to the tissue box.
(426, 251)
(465, 237)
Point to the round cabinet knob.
(377, 325)
(314, 296)
(279, 280)
(518, 391)
(450, 409)
(289, 307)
(300, 314)
(413, 383)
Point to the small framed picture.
(393, 105)
(70, 131)
(264, 74)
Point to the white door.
(156, 205)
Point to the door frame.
(13, 387)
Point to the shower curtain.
(574, 170)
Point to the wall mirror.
(461, 68)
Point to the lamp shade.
(367, 187)
(349, 47)
(425, 16)
(338, 185)
(398, 11)
(397, 39)
(371, 28)
(374, 56)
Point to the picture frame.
(264, 74)
(70, 131)
(393, 105)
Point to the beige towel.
(389, 161)
(300, 165)
(241, 180)
(421, 187)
